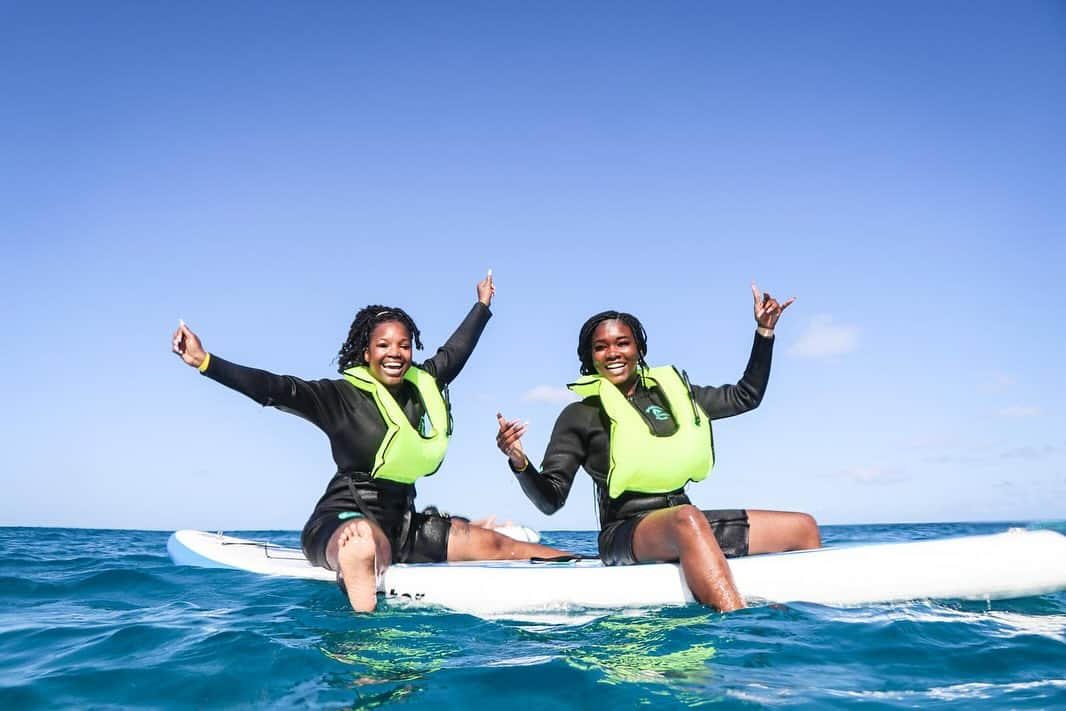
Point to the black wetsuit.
(351, 420)
(581, 438)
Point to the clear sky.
(262, 170)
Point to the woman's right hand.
(187, 345)
(509, 440)
(767, 308)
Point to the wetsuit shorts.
(426, 540)
(730, 527)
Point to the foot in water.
(356, 559)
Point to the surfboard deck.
(1013, 564)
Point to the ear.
(366, 355)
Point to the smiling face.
(388, 355)
(615, 354)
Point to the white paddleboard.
(1017, 563)
(518, 532)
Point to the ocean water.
(103, 619)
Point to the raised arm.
(748, 392)
(450, 358)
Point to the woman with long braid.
(642, 434)
(388, 423)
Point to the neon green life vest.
(405, 454)
(640, 460)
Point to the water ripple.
(102, 619)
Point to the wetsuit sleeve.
(566, 452)
(729, 400)
(285, 392)
(452, 356)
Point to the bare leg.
(469, 542)
(776, 531)
(682, 533)
(358, 551)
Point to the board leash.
(571, 558)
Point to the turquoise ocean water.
(102, 619)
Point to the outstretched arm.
(310, 400)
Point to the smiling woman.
(643, 434)
(388, 423)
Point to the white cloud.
(1002, 381)
(1019, 411)
(824, 339)
(978, 456)
(929, 441)
(550, 394)
(1032, 453)
(969, 459)
(872, 475)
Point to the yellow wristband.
(207, 361)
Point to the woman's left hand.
(486, 289)
(767, 308)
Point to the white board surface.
(1016, 563)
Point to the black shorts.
(426, 540)
(730, 527)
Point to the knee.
(809, 534)
(486, 541)
(497, 542)
(689, 522)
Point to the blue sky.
(264, 170)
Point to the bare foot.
(355, 556)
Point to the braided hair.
(368, 318)
(584, 339)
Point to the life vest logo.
(657, 412)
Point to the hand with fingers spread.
(767, 308)
(486, 289)
(187, 346)
(509, 440)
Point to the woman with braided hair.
(388, 423)
(642, 434)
